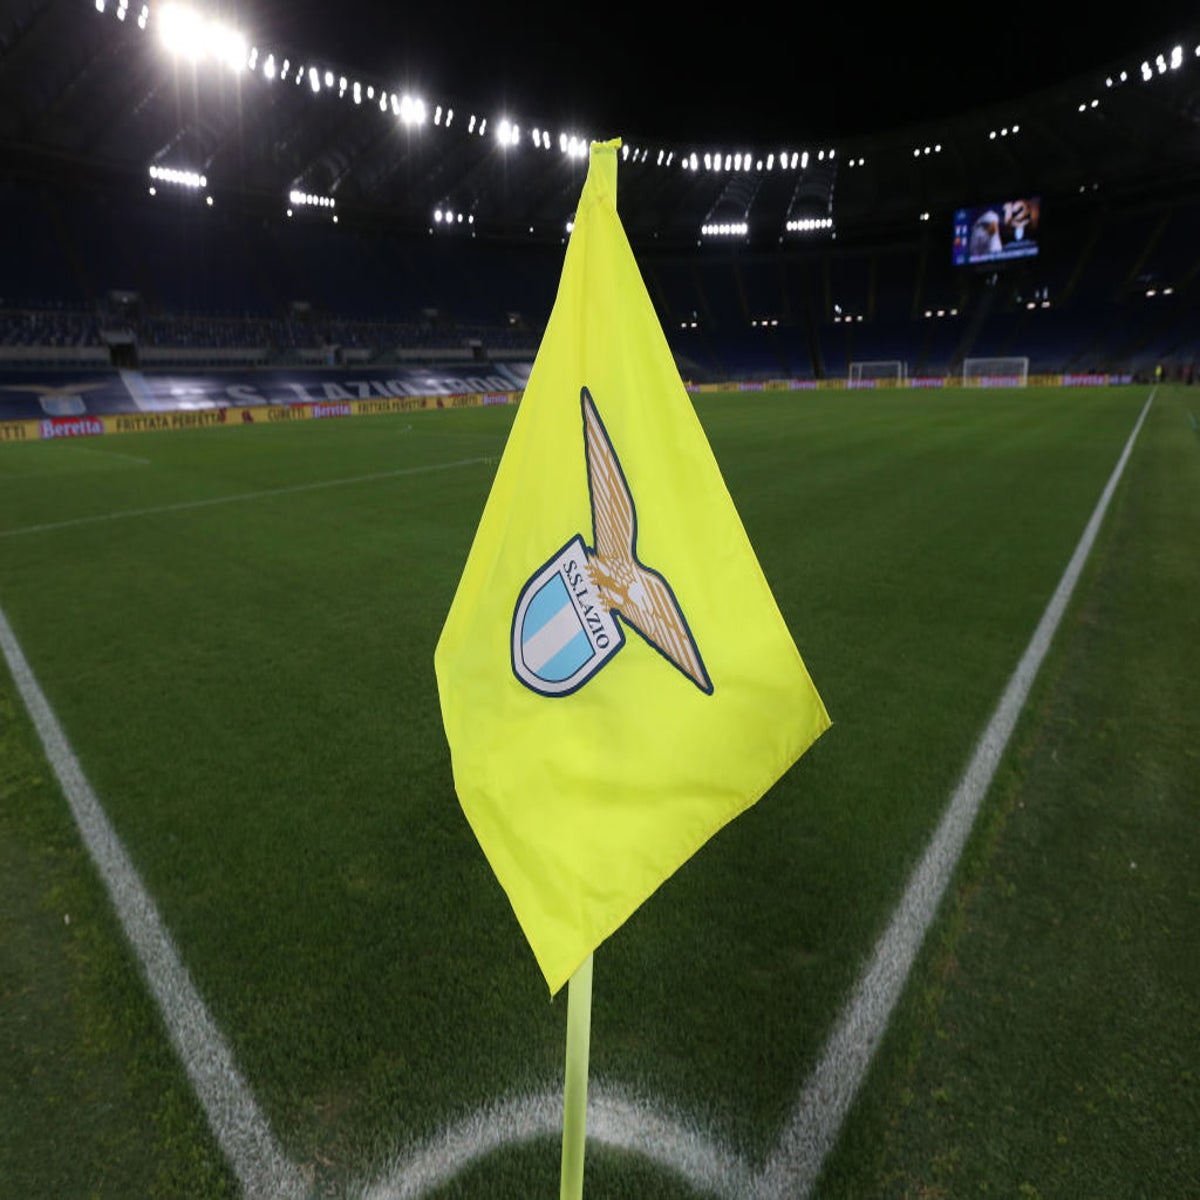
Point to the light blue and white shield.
(562, 632)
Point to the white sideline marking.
(815, 1122)
(238, 497)
(133, 458)
(240, 1128)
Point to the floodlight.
(228, 46)
(180, 30)
(412, 110)
(185, 33)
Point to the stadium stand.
(1115, 297)
(107, 270)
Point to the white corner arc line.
(613, 1119)
(816, 1121)
(238, 497)
(240, 1128)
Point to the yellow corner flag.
(616, 680)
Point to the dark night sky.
(638, 71)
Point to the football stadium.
(643, 662)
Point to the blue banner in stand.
(31, 394)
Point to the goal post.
(890, 372)
(995, 372)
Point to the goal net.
(872, 374)
(995, 372)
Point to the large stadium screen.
(996, 233)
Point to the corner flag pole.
(579, 1030)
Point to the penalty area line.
(240, 497)
(240, 1128)
(816, 1121)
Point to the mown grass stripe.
(816, 1121)
(238, 497)
(239, 1126)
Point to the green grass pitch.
(236, 630)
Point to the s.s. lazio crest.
(565, 624)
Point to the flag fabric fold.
(616, 680)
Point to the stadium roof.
(859, 122)
(817, 72)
